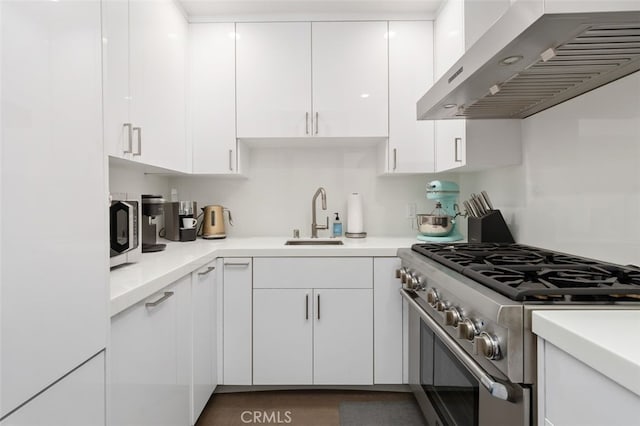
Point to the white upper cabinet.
(118, 135)
(449, 36)
(273, 79)
(301, 79)
(212, 96)
(462, 144)
(411, 142)
(145, 58)
(350, 79)
(158, 55)
(53, 250)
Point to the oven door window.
(451, 389)
(119, 228)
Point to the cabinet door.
(76, 400)
(236, 321)
(573, 393)
(343, 337)
(449, 36)
(53, 246)
(282, 337)
(213, 98)
(273, 79)
(158, 41)
(450, 144)
(350, 79)
(146, 383)
(387, 322)
(411, 142)
(203, 303)
(118, 134)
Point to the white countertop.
(606, 340)
(133, 282)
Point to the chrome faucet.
(314, 225)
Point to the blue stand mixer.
(440, 225)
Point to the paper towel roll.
(355, 221)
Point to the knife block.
(490, 228)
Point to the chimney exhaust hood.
(538, 54)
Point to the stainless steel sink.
(313, 243)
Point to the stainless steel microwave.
(124, 229)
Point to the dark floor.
(293, 407)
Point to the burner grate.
(529, 273)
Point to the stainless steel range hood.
(560, 53)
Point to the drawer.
(310, 272)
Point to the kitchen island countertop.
(132, 283)
(606, 340)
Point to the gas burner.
(578, 283)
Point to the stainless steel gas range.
(472, 355)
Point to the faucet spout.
(314, 225)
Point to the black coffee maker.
(175, 228)
(152, 208)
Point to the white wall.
(132, 179)
(276, 196)
(578, 189)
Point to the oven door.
(452, 389)
(123, 227)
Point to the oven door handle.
(495, 388)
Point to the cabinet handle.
(129, 137)
(316, 123)
(139, 130)
(231, 160)
(395, 158)
(167, 294)
(209, 269)
(457, 141)
(318, 306)
(306, 123)
(306, 308)
(237, 264)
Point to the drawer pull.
(237, 264)
(167, 294)
(209, 269)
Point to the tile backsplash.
(578, 189)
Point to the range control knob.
(488, 345)
(416, 284)
(399, 272)
(403, 275)
(432, 297)
(441, 305)
(467, 329)
(452, 317)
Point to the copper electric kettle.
(213, 222)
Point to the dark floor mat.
(373, 413)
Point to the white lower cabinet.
(343, 337)
(387, 322)
(203, 306)
(305, 336)
(318, 333)
(283, 336)
(571, 393)
(76, 400)
(236, 339)
(150, 360)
